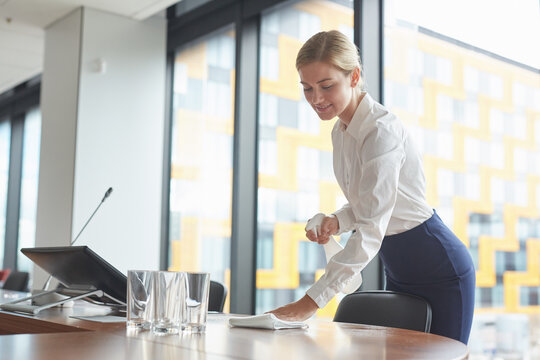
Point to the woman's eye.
(307, 89)
(327, 87)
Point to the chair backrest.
(17, 280)
(385, 308)
(216, 296)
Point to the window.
(4, 174)
(471, 104)
(295, 166)
(29, 187)
(20, 134)
(201, 157)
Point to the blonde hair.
(333, 48)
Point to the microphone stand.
(107, 194)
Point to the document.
(265, 321)
(101, 318)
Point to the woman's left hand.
(299, 310)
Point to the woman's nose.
(316, 97)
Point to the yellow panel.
(185, 256)
(533, 309)
(175, 255)
(487, 246)
(185, 172)
(185, 252)
(397, 66)
(288, 140)
(407, 117)
(190, 127)
(331, 15)
(328, 192)
(194, 58)
(288, 83)
(284, 274)
(230, 122)
(462, 209)
(227, 305)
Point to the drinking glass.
(169, 299)
(195, 305)
(139, 299)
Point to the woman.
(380, 173)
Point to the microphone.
(107, 194)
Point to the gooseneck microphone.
(107, 194)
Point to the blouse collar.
(362, 111)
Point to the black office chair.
(385, 308)
(17, 280)
(216, 296)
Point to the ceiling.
(23, 23)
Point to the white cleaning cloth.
(265, 321)
(331, 248)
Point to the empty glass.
(139, 299)
(195, 306)
(169, 290)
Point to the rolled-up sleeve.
(372, 197)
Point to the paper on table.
(101, 318)
(331, 248)
(265, 321)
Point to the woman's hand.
(299, 310)
(329, 226)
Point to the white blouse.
(380, 173)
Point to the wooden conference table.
(53, 334)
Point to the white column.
(102, 103)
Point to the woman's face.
(328, 90)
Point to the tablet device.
(78, 267)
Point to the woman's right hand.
(329, 225)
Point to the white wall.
(118, 139)
(59, 95)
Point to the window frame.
(14, 105)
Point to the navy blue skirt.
(431, 262)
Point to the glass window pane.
(29, 187)
(202, 154)
(5, 138)
(472, 102)
(294, 155)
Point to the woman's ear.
(355, 77)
